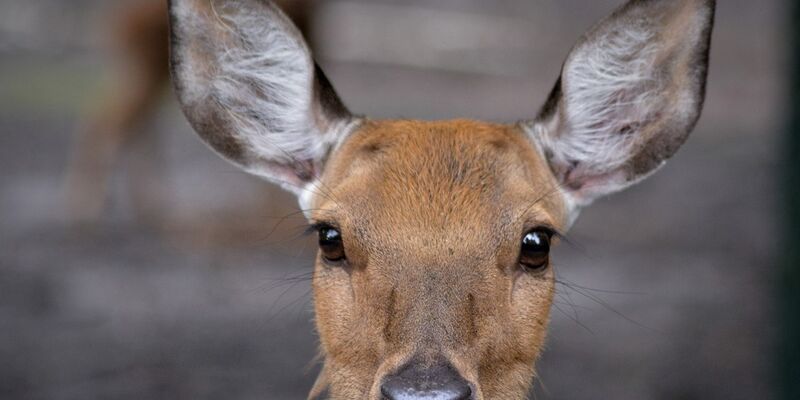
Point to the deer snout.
(417, 382)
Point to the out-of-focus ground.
(671, 281)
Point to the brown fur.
(432, 254)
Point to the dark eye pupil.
(329, 235)
(535, 241)
(535, 251)
(330, 243)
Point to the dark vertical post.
(789, 276)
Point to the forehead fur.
(431, 175)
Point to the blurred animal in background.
(433, 277)
(139, 41)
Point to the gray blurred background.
(197, 287)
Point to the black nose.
(440, 382)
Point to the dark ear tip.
(332, 104)
(550, 106)
(174, 45)
(712, 6)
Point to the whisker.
(575, 320)
(608, 307)
(565, 282)
(271, 284)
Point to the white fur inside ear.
(265, 84)
(247, 75)
(611, 92)
(629, 95)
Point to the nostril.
(438, 383)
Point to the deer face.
(444, 264)
(433, 277)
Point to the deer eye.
(535, 250)
(330, 243)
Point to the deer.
(433, 278)
(139, 41)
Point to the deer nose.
(413, 382)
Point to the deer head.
(433, 277)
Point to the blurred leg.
(141, 74)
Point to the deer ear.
(247, 83)
(629, 94)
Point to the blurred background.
(135, 264)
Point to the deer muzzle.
(415, 381)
